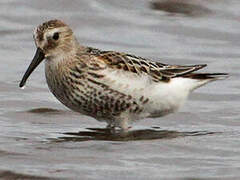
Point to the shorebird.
(114, 87)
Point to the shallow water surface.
(41, 139)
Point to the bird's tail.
(207, 76)
(204, 78)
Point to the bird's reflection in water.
(104, 134)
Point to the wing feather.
(138, 65)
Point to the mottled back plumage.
(138, 65)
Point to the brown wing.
(158, 71)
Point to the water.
(41, 139)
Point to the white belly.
(164, 97)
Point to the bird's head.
(54, 41)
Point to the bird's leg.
(110, 126)
(123, 124)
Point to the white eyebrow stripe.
(50, 32)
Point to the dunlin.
(115, 87)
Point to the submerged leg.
(119, 125)
(110, 126)
(123, 124)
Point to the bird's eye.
(56, 36)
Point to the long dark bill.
(39, 56)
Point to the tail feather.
(201, 79)
(206, 76)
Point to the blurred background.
(41, 139)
